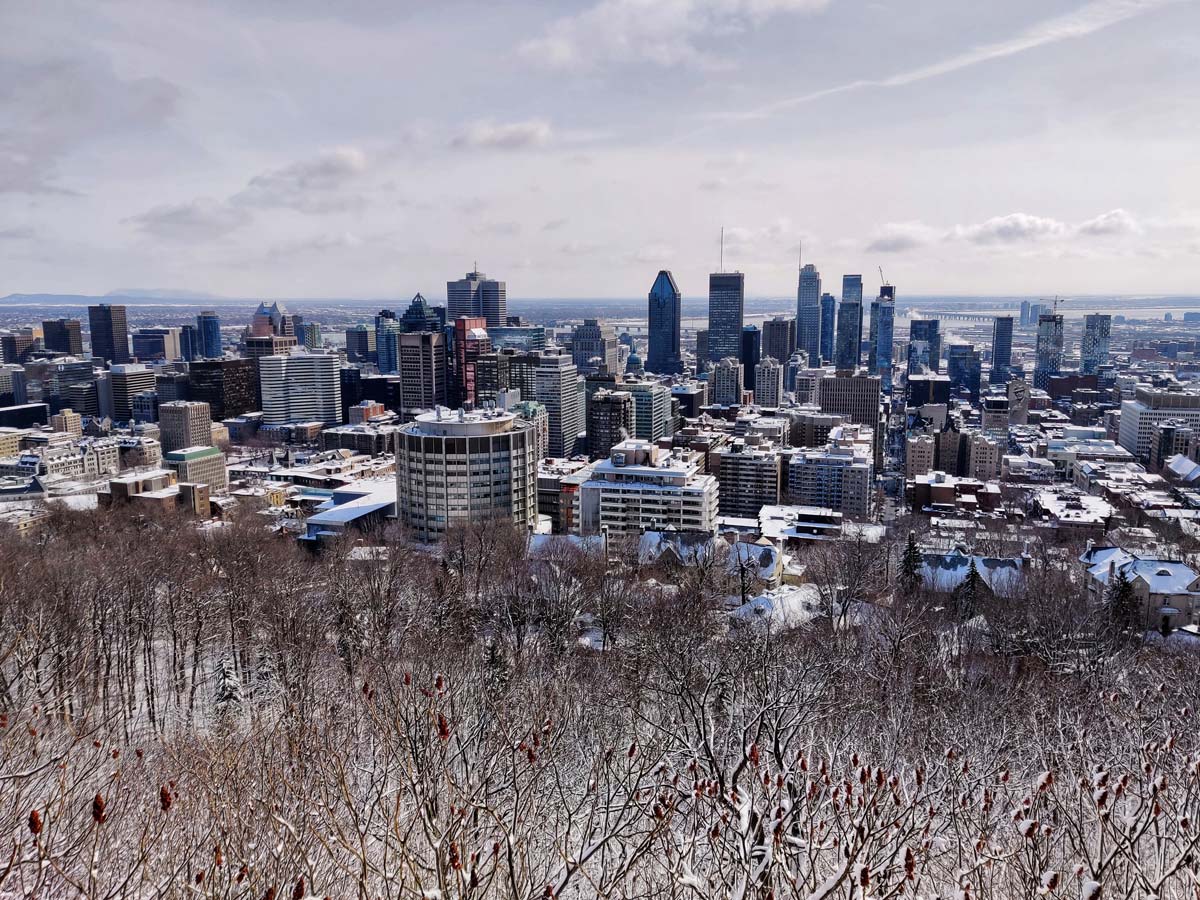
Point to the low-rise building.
(1074, 514)
(748, 471)
(840, 476)
(1168, 591)
(199, 465)
(558, 483)
(642, 487)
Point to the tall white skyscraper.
(559, 388)
(768, 382)
(727, 381)
(301, 387)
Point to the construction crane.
(882, 280)
(1056, 302)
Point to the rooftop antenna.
(722, 248)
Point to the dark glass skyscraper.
(726, 303)
(387, 329)
(779, 338)
(1002, 332)
(110, 333)
(964, 366)
(228, 386)
(883, 322)
(925, 345)
(189, 342)
(751, 347)
(420, 316)
(828, 326)
(208, 323)
(62, 336)
(852, 288)
(808, 313)
(664, 311)
(1093, 350)
(1049, 351)
(848, 350)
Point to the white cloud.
(654, 254)
(318, 243)
(315, 185)
(1013, 228)
(487, 134)
(201, 218)
(1113, 223)
(661, 32)
(55, 105)
(896, 237)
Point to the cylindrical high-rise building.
(208, 324)
(458, 467)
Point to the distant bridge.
(950, 316)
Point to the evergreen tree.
(910, 566)
(228, 697)
(968, 593)
(1121, 604)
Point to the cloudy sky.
(278, 148)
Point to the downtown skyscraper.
(1048, 360)
(828, 326)
(808, 313)
(882, 338)
(779, 338)
(208, 328)
(924, 345)
(848, 345)
(62, 336)
(665, 307)
(477, 295)
(1002, 334)
(852, 288)
(1093, 350)
(726, 305)
(109, 333)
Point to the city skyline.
(166, 170)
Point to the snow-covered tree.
(227, 697)
(968, 593)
